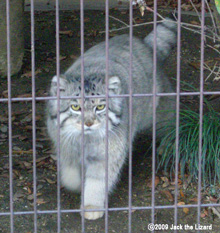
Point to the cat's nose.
(89, 123)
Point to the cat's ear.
(114, 85)
(54, 84)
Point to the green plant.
(189, 145)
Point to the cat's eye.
(100, 107)
(75, 107)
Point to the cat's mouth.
(88, 131)
(91, 129)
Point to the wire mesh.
(130, 96)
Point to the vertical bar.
(130, 115)
(107, 106)
(177, 111)
(201, 108)
(33, 115)
(154, 111)
(82, 110)
(9, 115)
(58, 115)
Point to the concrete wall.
(48, 5)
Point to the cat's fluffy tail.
(166, 38)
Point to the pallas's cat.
(118, 110)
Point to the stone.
(16, 36)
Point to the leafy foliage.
(217, 4)
(189, 145)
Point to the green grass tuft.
(189, 146)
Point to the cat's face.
(94, 120)
(94, 114)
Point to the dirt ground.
(45, 47)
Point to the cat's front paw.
(93, 215)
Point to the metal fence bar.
(201, 109)
(130, 115)
(107, 110)
(33, 115)
(110, 209)
(177, 111)
(58, 114)
(110, 96)
(9, 115)
(82, 112)
(154, 113)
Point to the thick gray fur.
(118, 112)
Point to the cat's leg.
(94, 189)
(71, 177)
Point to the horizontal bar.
(110, 96)
(110, 209)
